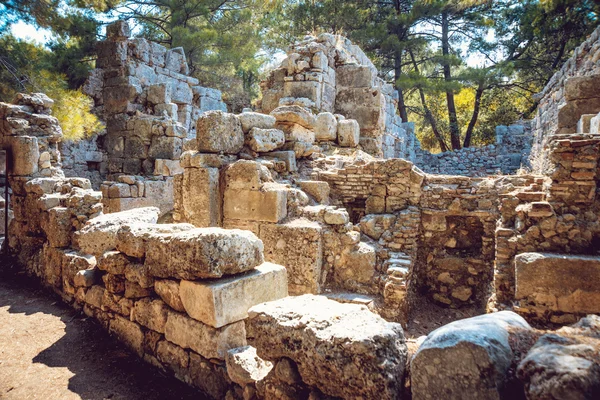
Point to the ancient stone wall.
(570, 93)
(509, 154)
(334, 75)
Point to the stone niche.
(452, 267)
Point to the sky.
(22, 30)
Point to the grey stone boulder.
(468, 358)
(343, 350)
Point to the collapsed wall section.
(331, 74)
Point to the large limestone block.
(132, 238)
(100, 234)
(150, 313)
(218, 131)
(348, 133)
(565, 283)
(203, 339)
(168, 290)
(294, 114)
(559, 367)
(297, 133)
(201, 197)
(470, 356)
(246, 175)
(128, 332)
(326, 127)
(353, 75)
(203, 253)
(268, 204)
(251, 120)
(298, 245)
(263, 140)
(223, 301)
(342, 349)
(245, 367)
(25, 154)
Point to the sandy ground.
(49, 351)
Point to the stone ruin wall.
(150, 105)
(570, 94)
(319, 217)
(331, 74)
(510, 153)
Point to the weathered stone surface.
(129, 333)
(342, 349)
(150, 313)
(566, 283)
(100, 234)
(226, 300)
(251, 120)
(245, 367)
(217, 131)
(326, 127)
(132, 238)
(203, 253)
(263, 140)
(298, 245)
(467, 356)
(168, 290)
(203, 339)
(268, 204)
(319, 190)
(348, 133)
(201, 197)
(294, 114)
(559, 367)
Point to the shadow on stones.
(102, 367)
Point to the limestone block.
(563, 365)
(296, 133)
(100, 234)
(86, 277)
(217, 131)
(203, 339)
(168, 290)
(319, 190)
(326, 127)
(224, 301)
(342, 349)
(353, 75)
(335, 216)
(560, 282)
(128, 332)
(268, 204)
(245, 367)
(117, 190)
(201, 197)
(167, 167)
(251, 120)
(138, 273)
(311, 90)
(169, 108)
(174, 356)
(57, 226)
(24, 153)
(168, 147)
(348, 133)
(294, 114)
(582, 87)
(132, 238)
(159, 93)
(470, 356)
(263, 140)
(181, 92)
(118, 30)
(150, 313)
(203, 253)
(357, 265)
(289, 157)
(298, 246)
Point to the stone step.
(398, 271)
(531, 196)
(349, 297)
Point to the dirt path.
(48, 351)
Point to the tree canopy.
(461, 67)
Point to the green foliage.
(27, 67)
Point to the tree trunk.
(453, 119)
(428, 115)
(473, 121)
(401, 104)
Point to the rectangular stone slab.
(203, 339)
(566, 283)
(226, 300)
(203, 253)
